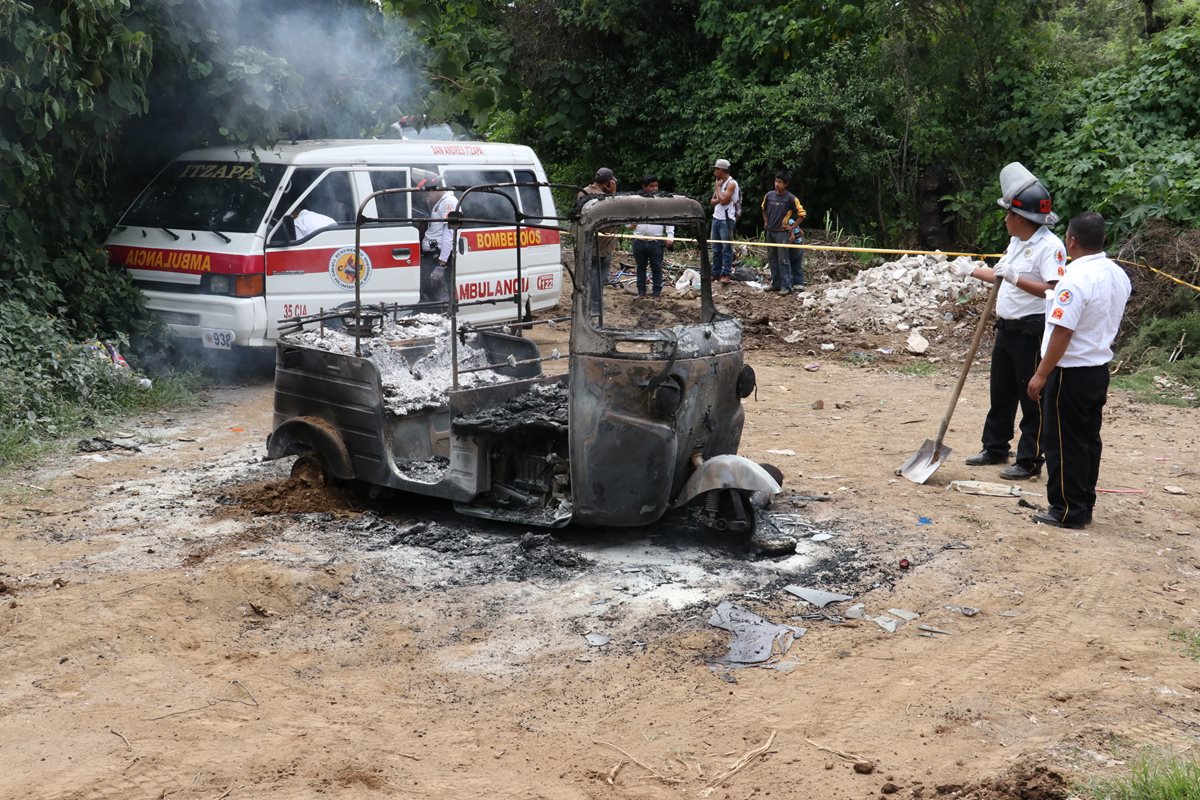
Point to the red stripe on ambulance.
(196, 262)
(316, 260)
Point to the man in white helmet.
(1033, 263)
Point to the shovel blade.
(925, 461)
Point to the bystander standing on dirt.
(1033, 263)
(781, 212)
(604, 182)
(649, 252)
(726, 201)
(1071, 382)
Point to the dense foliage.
(894, 115)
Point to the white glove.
(961, 268)
(1006, 271)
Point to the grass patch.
(1162, 361)
(919, 369)
(23, 444)
(1190, 642)
(1152, 778)
(1156, 385)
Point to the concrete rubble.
(910, 292)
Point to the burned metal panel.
(510, 449)
(598, 212)
(630, 454)
(345, 392)
(500, 346)
(622, 454)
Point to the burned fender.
(727, 472)
(300, 435)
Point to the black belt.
(1033, 324)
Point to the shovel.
(933, 453)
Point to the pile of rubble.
(911, 292)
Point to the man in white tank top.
(726, 201)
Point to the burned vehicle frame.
(642, 421)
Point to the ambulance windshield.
(207, 195)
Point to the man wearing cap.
(604, 182)
(726, 201)
(1033, 263)
(1072, 380)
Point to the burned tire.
(310, 470)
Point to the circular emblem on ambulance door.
(342, 268)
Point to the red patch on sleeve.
(1056, 314)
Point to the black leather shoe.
(985, 457)
(1042, 518)
(1019, 472)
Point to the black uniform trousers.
(1015, 358)
(1072, 405)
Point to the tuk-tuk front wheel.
(729, 510)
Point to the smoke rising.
(246, 72)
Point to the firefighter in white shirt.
(437, 246)
(1072, 380)
(1034, 261)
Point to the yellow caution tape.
(829, 247)
(1166, 275)
(834, 248)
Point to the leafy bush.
(1155, 341)
(51, 384)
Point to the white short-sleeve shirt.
(656, 229)
(309, 221)
(1042, 257)
(1089, 300)
(438, 230)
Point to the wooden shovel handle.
(966, 367)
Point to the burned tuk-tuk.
(642, 421)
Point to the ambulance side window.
(391, 207)
(331, 197)
(484, 209)
(531, 197)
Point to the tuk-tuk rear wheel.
(309, 469)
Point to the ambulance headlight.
(216, 284)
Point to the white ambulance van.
(212, 241)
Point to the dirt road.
(179, 621)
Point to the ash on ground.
(414, 377)
(480, 558)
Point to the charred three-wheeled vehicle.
(643, 420)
